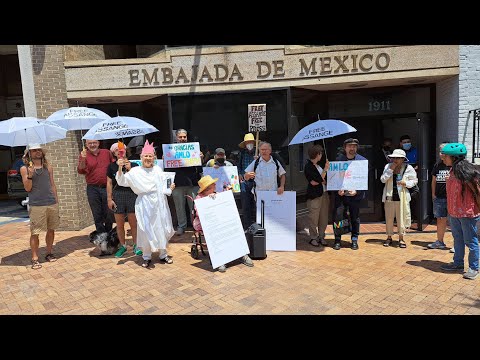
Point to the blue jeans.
(249, 208)
(464, 231)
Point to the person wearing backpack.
(397, 177)
(463, 209)
(267, 172)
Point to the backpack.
(277, 164)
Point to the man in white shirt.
(265, 171)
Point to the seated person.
(207, 188)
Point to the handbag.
(415, 190)
(341, 223)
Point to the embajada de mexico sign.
(253, 67)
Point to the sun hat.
(398, 153)
(247, 137)
(205, 182)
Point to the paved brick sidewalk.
(372, 280)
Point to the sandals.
(388, 242)
(36, 264)
(50, 258)
(402, 244)
(146, 263)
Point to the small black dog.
(107, 242)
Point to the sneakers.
(452, 267)
(167, 260)
(121, 251)
(247, 261)
(137, 251)
(337, 245)
(471, 274)
(452, 250)
(354, 244)
(180, 231)
(222, 268)
(437, 245)
(146, 263)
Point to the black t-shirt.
(112, 171)
(440, 171)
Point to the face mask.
(407, 146)
(250, 147)
(221, 160)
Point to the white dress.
(154, 221)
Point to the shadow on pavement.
(433, 265)
(378, 241)
(60, 249)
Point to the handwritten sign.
(348, 175)
(227, 176)
(181, 155)
(257, 117)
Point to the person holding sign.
(350, 198)
(154, 221)
(247, 156)
(317, 195)
(207, 188)
(219, 159)
(186, 179)
(397, 176)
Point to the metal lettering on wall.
(265, 70)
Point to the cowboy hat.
(247, 137)
(398, 153)
(205, 182)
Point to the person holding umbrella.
(37, 177)
(350, 198)
(93, 162)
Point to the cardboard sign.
(227, 176)
(181, 155)
(257, 117)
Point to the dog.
(107, 242)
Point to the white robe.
(154, 221)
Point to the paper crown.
(148, 149)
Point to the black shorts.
(125, 201)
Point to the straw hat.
(205, 182)
(247, 137)
(398, 153)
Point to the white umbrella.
(321, 129)
(119, 127)
(78, 118)
(22, 131)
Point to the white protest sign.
(227, 176)
(257, 117)
(169, 178)
(348, 175)
(222, 228)
(181, 155)
(280, 219)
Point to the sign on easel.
(257, 117)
